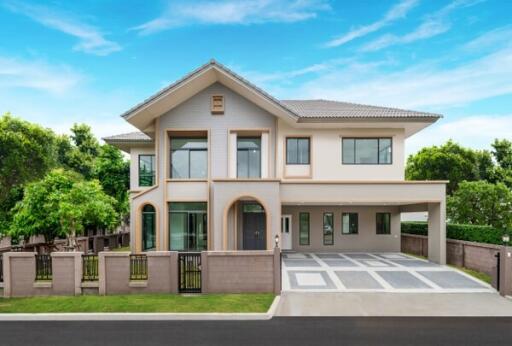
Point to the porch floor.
(372, 272)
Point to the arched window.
(148, 227)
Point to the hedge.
(480, 234)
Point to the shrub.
(475, 233)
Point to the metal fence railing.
(1, 267)
(138, 267)
(43, 267)
(90, 268)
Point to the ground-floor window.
(349, 223)
(187, 226)
(303, 228)
(383, 223)
(148, 227)
(328, 228)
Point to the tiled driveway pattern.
(367, 272)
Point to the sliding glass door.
(188, 226)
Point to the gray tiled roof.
(129, 137)
(337, 109)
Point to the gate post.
(204, 272)
(277, 270)
(505, 271)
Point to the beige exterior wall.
(366, 240)
(325, 160)
(134, 166)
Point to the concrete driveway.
(373, 272)
(381, 284)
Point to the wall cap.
(241, 253)
(20, 254)
(138, 284)
(90, 284)
(42, 284)
(66, 254)
(159, 253)
(114, 254)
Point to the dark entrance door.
(254, 230)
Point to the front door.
(254, 230)
(286, 232)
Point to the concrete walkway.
(393, 304)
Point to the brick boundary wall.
(222, 272)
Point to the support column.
(506, 271)
(67, 273)
(437, 232)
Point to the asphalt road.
(278, 331)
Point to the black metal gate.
(189, 272)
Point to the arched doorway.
(246, 225)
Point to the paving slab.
(357, 280)
(414, 263)
(301, 263)
(450, 279)
(402, 279)
(317, 280)
(393, 304)
(331, 262)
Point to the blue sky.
(63, 62)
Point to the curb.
(121, 316)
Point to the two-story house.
(219, 164)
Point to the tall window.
(328, 228)
(349, 223)
(303, 228)
(367, 151)
(297, 151)
(383, 223)
(148, 227)
(146, 170)
(188, 226)
(189, 158)
(248, 157)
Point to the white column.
(264, 155)
(232, 155)
(437, 232)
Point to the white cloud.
(477, 132)
(91, 40)
(491, 39)
(16, 73)
(233, 12)
(432, 25)
(397, 12)
(423, 85)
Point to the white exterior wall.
(325, 160)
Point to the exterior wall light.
(505, 238)
(276, 239)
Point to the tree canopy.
(449, 161)
(62, 204)
(481, 203)
(30, 153)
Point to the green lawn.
(140, 303)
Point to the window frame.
(377, 223)
(308, 229)
(323, 228)
(153, 170)
(201, 215)
(154, 226)
(342, 223)
(171, 152)
(248, 156)
(297, 138)
(378, 163)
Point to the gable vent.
(217, 104)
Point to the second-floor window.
(297, 151)
(189, 158)
(367, 151)
(146, 170)
(248, 157)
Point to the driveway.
(373, 272)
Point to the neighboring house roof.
(129, 137)
(337, 109)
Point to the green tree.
(481, 203)
(449, 162)
(62, 204)
(502, 152)
(27, 152)
(113, 172)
